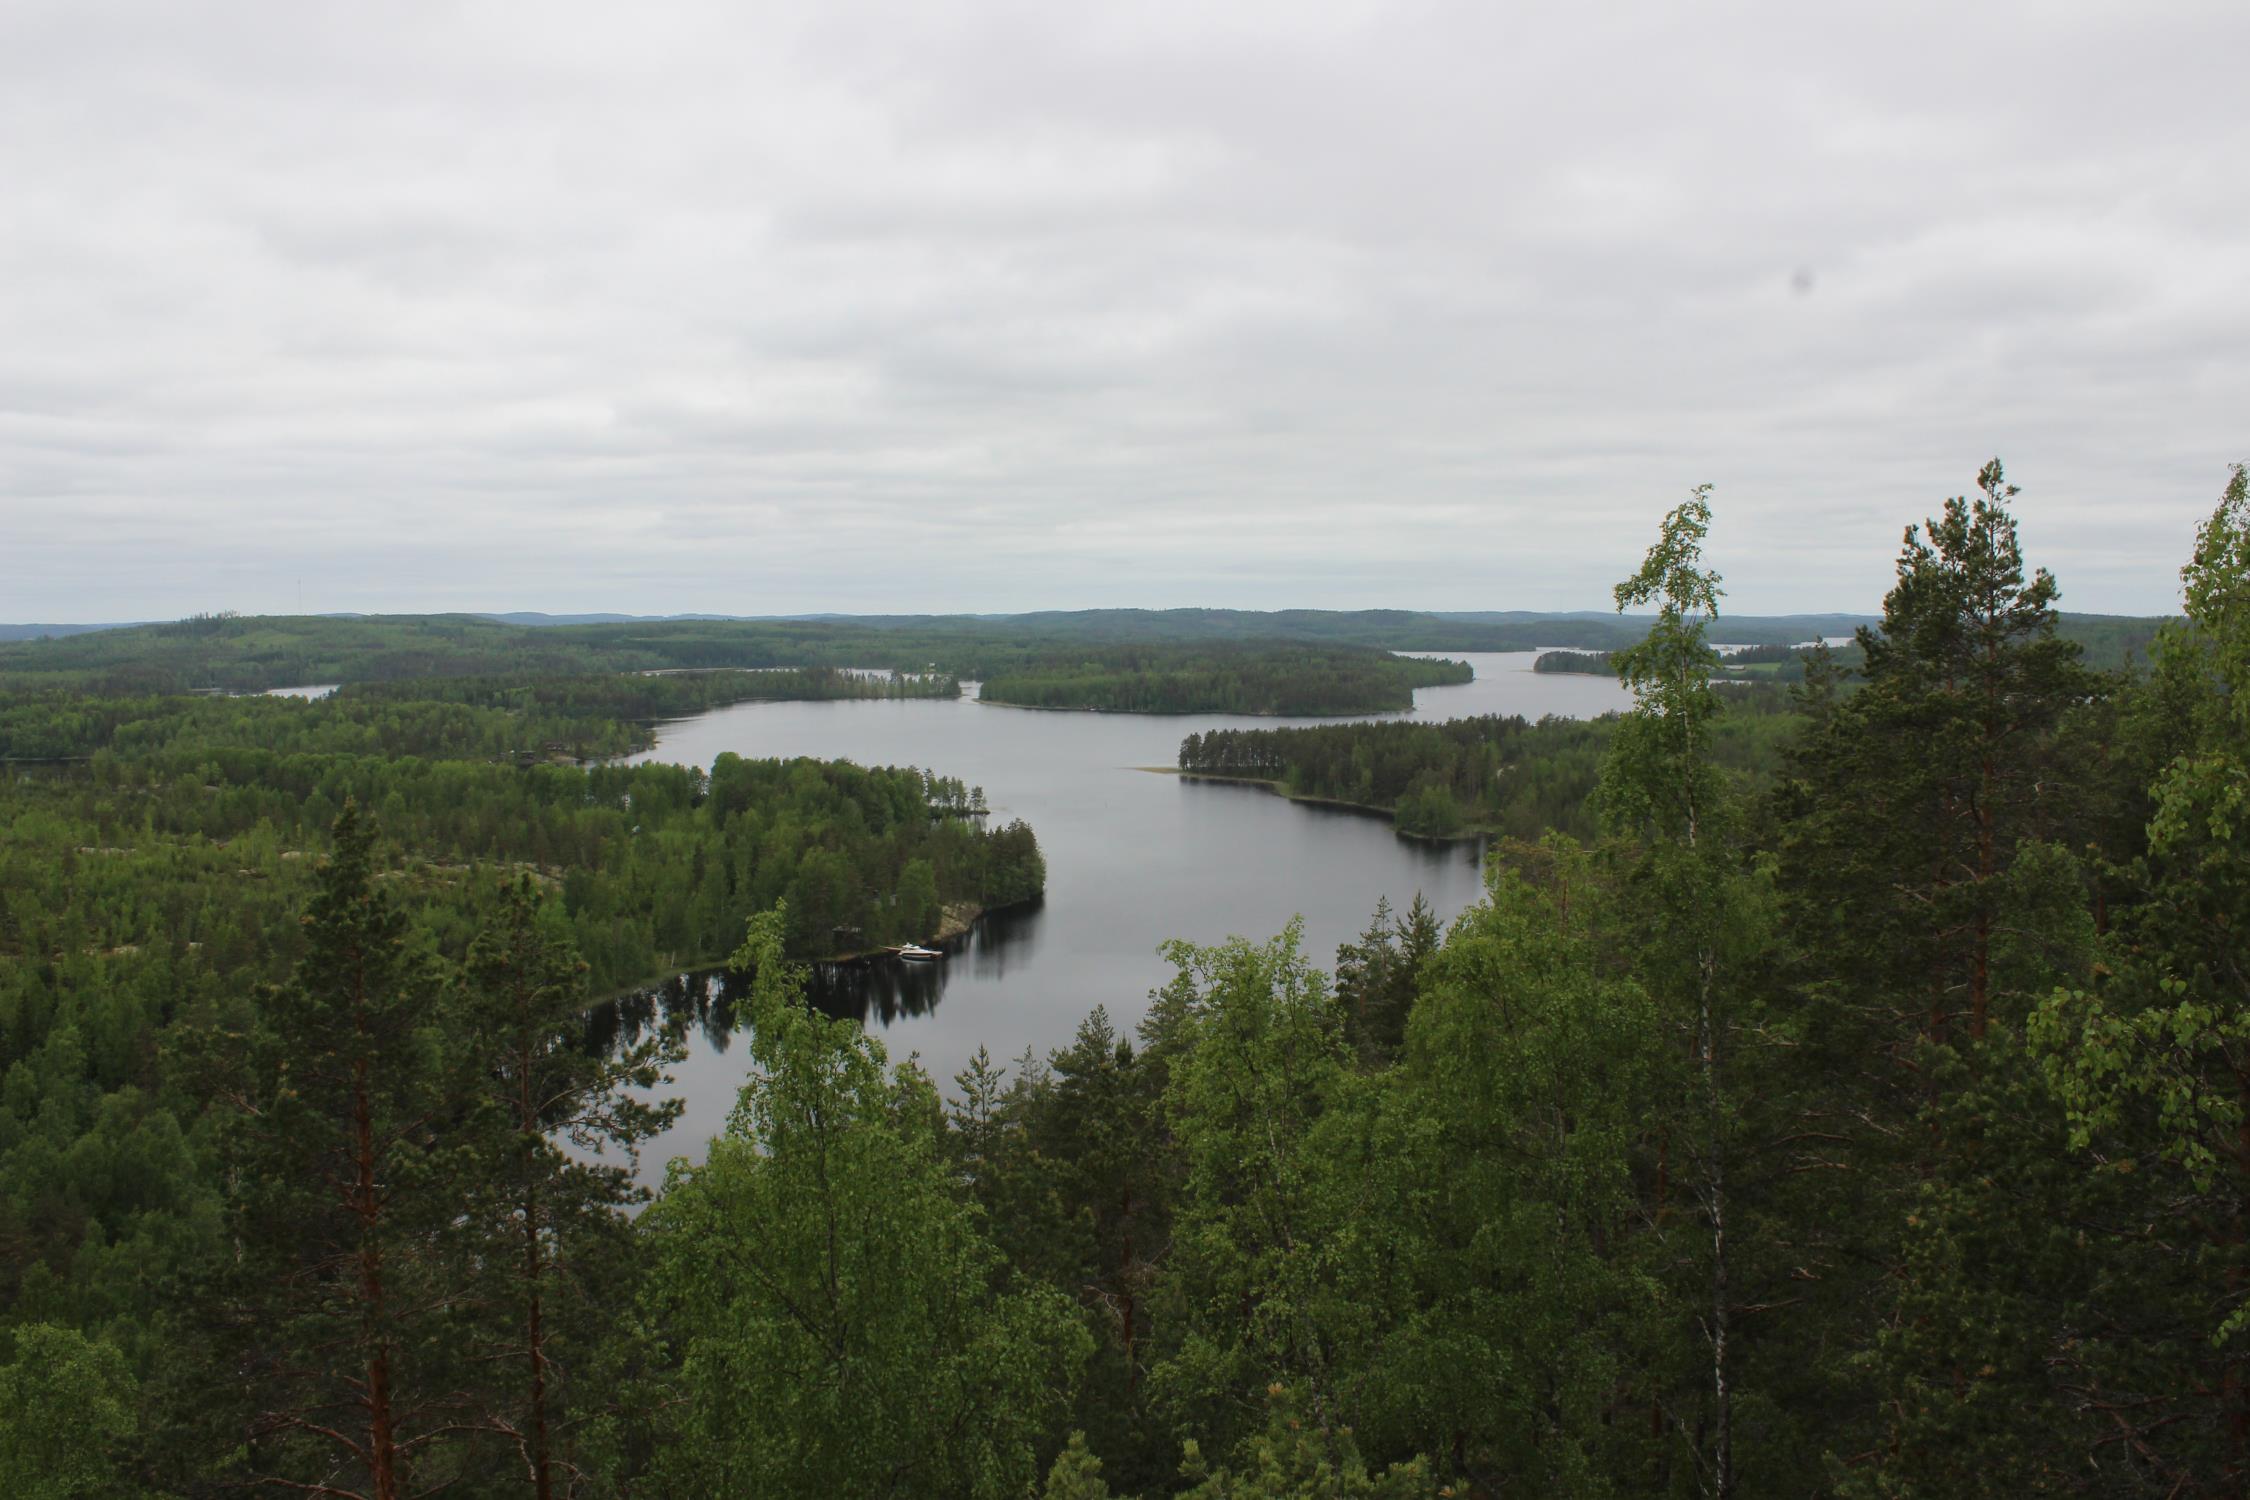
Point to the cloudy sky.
(833, 306)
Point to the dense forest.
(161, 900)
(653, 695)
(1493, 774)
(1221, 678)
(240, 654)
(1179, 660)
(2104, 641)
(1869, 1124)
(579, 717)
(1744, 663)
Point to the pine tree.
(338, 1196)
(554, 1136)
(1919, 786)
(1928, 902)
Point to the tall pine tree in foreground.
(339, 1202)
(1929, 899)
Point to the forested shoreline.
(1246, 679)
(577, 717)
(247, 654)
(1492, 774)
(1839, 1091)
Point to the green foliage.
(1588, 663)
(66, 1410)
(1531, 1065)
(1298, 1459)
(1259, 1097)
(153, 1179)
(1071, 1158)
(1077, 1474)
(839, 1321)
(667, 694)
(1659, 776)
(1928, 907)
(2149, 1058)
(488, 717)
(1378, 977)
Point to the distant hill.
(1398, 629)
(56, 632)
(254, 652)
(535, 619)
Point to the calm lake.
(1133, 859)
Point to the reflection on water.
(699, 1003)
(702, 1004)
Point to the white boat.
(915, 954)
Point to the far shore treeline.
(238, 653)
(1244, 679)
(1839, 1091)
(1492, 774)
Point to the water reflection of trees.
(877, 991)
(699, 1004)
(702, 1005)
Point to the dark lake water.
(1133, 859)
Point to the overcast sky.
(934, 306)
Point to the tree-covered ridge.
(580, 716)
(64, 724)
(2104, 641)
(235, 653)
(1492, 774)
(1769, 663)
(657, 694)
(1247, 679)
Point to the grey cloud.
(990, 306)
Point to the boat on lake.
(915, 954)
